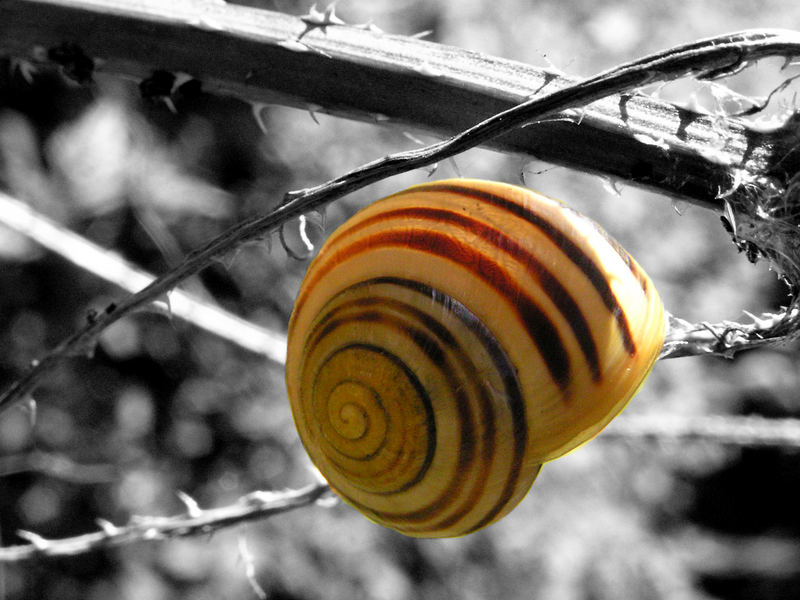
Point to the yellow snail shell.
(451, 338)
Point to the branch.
(323, 64)
(113, 268)
(197, 521)
(712, 57)
(727, 338)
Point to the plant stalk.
(360, 72)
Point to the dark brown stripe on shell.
(552, 287)
(508, 374)
(559, 238)
(534, 319)
(623, 254)
(513, 394)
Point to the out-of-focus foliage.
(163, 407)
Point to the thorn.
(24, 67)
(312, 110)
(678, 322)
(30, 405)
(153, 534)
(756, 320)
(612, 185)
(181, 79)
(159, 87)
(369, 26)
(168, 102)
(192, 508)
(759, 322)
(207, 23)
(730, 217)
(258, 108)
(738, 182)
(260, 497)
(328, 500)
(315, 19)
(34, 538)
(428, 70)
(228, 260)
(163, 305)
(107, 526)
(294, 45)
(679, 206)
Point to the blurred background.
(162, 406)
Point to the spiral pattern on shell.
(451, 338)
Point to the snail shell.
(451, 338)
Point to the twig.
(114, 269)
(729, 337)
(255, 506)
(712, 57)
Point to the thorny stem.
(709, 58)
(321, 64)
(254, 506)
